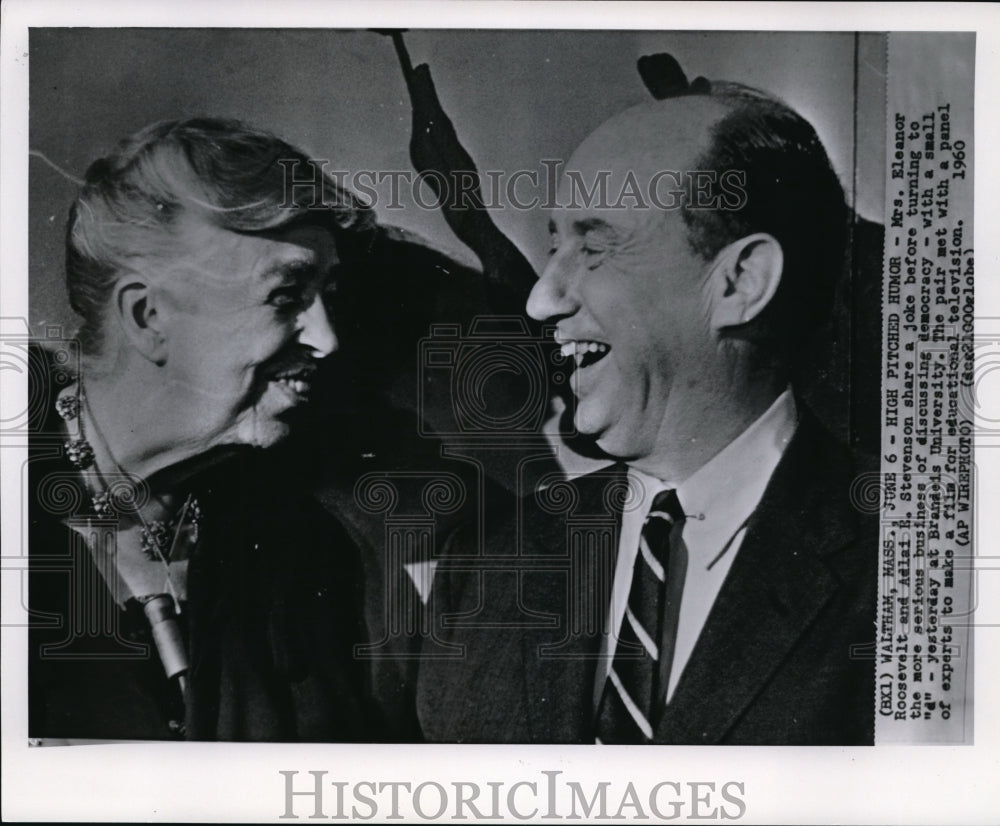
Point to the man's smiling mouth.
(583, 351)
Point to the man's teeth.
(579, 349)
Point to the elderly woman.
(179, 586)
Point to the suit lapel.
(582, 542)
(779, 582)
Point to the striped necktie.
(637, 682)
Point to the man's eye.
(594, 254)
(595, 243)
(553, 245)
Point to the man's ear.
(744, 279)
(140, 318)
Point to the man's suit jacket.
(786, 655)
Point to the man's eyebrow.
(585, 225)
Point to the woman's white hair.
(237, 177)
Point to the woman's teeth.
(297, 385)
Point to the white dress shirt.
(718, 501)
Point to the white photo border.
(226, 782)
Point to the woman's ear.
(744, 279)
(140, 319)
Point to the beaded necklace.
(159, 538)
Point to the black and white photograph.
(411, 412)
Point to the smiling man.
(716, 584)
(196, 590)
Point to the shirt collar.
(720, 496)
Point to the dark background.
(515, 97)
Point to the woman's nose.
(317, 331)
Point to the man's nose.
(551, 297)
(316, 331)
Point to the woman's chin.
(262, 432)
(264, 424)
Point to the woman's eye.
(285, 298)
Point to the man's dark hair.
(792, 193)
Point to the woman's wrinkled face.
(245, 324)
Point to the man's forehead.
(648, 138)
(612, 225)
(609, 182)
